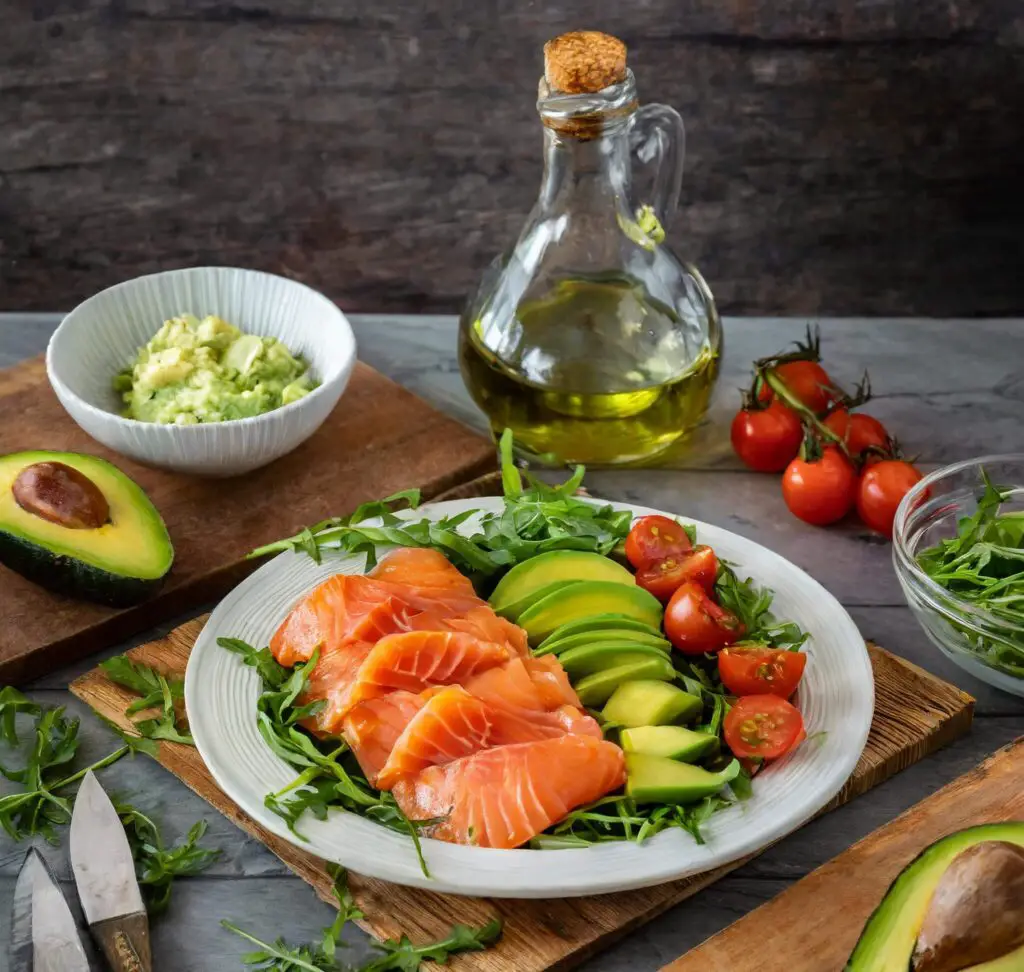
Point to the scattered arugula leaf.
(13, 704)
(157, 691)
(752, 604)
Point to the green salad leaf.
(156, 691)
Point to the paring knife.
(105, 875)
(44, 936)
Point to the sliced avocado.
(588, 597)
(599, 655)
(556, 645)
(672, 742)
(595, 689)
(887, 942)
(597, 622)
(516, 608)
(78, 525)
(552, 568)
(656, 779)
(650, 703)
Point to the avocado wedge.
(647, 702)
(516, 608)
(594, 690)
(600, 622)
(599, 655)
(888, 941)
(656, 779)
(557, 646)
(556, 567)
(78, 525)
(586, 598)
(672, 742)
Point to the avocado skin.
(65, 575)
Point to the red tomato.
(761, 671)
(766, 439)
(880, 490)
(764, 726)
(695, 624)
(807, 381)
(822, 491)
(663, 578)
(654, 538)
(858, 431)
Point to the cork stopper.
(584, 62)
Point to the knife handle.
(125, 942)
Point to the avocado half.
(120, 562)
(888, 940)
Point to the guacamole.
(207, 370)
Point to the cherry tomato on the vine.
(820, 491)
(879, 491)
(762, 726)
(664, 577)
(857, 430)
(807, 382)
(695, 624)
(757, 670)
(653, 538)
(766, 439)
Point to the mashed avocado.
(207, 370)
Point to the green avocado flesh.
(594, 690)
(643, 702)
(557, 646)
(888, 940)
(119, 563)
(655, 779)
(601, 622)
(586, 598)
(599, 655)
(672, 742)
(516, 608)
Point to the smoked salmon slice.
(503, 797)
(526, 683)
(373, 727)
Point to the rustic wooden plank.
(844, 155)
(816, 922)
(915, 714)
(379, 439)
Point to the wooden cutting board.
(814, 925)
(378, 440)
(915, 714)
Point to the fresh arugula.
(156, 691)
(984, 565)
(752, 605)
(396, 955)
(157, 866)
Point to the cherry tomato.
(695, 624)
(664, 577)
(766, 439)
(879, 491)
(808, 383)
(858, 431)
(764, 726)
(757, 670)
(653, 538)
(822, 491)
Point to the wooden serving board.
(915, 714)
(378, 440)
(814, 925)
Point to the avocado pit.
(60, 494)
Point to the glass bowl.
(982, 643)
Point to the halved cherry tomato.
(695, 624)
(858, 431)
(820, 491)
(664, 577)
(756, 670)
(879, 491)
(654, 538)
(766, 439)
(808, 383)
(762, 725)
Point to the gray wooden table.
(948, 389)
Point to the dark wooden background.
(845, 156)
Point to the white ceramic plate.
(836, 698)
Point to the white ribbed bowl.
(836, 698)
(104, 333)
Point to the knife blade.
(44, 935)
(101, 860)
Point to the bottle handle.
(657, 137)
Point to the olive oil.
(596, 371)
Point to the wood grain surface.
(820, 917)
(379, 439)
(843, 156)
(915, 714)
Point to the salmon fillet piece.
(372, 728)
(506, 796)
(526, 683)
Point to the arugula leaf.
(12, 702)
(157, 866)
(156, 690)
(401, 955)
(752, 604)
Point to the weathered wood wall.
(845, 156)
